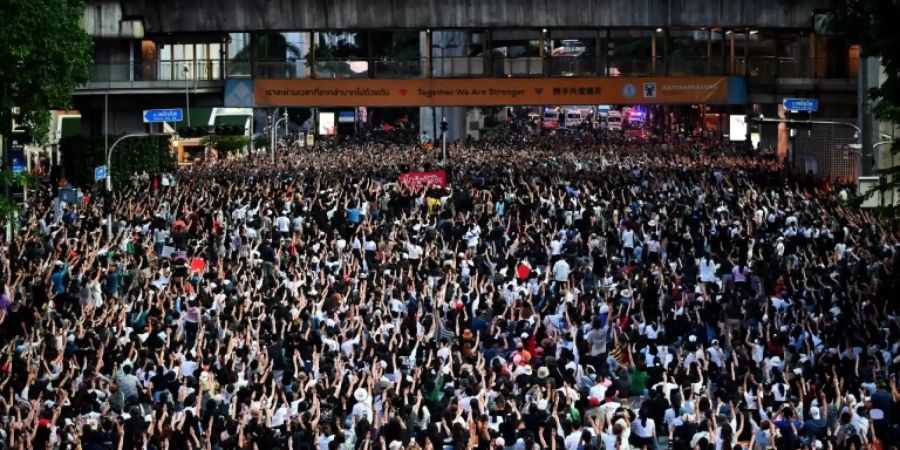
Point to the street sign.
(163, 115)
(100, 173)
(801, 104)
(17, 154)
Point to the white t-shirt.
(555, 247)
(707, 270)
(628, 239)
(283, 224)
(561, 271)
(643, 430)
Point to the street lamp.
(187, 96)
(444, 138)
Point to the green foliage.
(10, 179)
(226, 144)
(873, 24)
(81, 155)
(261, 140)
(44, 54)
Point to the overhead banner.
(326, 124)
(501, 91)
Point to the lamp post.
(444, 139)
(274, 128)
(187, 95)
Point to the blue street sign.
(99, 173)
(17, 155)
(163, 115)
(801, 104)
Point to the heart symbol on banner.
(403, 91)
(538, 90)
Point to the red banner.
(436, 178)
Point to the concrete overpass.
(178, 16)
(778, 47)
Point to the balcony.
(155, 75)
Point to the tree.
(226, 144)
(873, 24)
(12, 180)
(44, 54)
(150, 154)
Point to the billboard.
(737, 127)
(500, 91)
(326, 124)
(346, 117)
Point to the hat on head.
(625, 293)
(814, 413)
(360, 395)
(543, 372)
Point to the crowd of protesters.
(557, 293)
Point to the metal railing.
(458, 66)
(399, 68)
(623, 67)
(691, 66)
(525, 66)
(576, 66)
(172, 70)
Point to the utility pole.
(444, 139)
(272, 125)
(187, 95)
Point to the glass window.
(760, 51)
(238, 50)
(457, 53)
(687, 52)
(165, 62)
(630, 52)
(574, 53)
(396, 54)
(342, 55)
(516, 52)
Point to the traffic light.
(191, 132)
(229, 130)
(444, 124)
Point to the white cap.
(814, 413)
